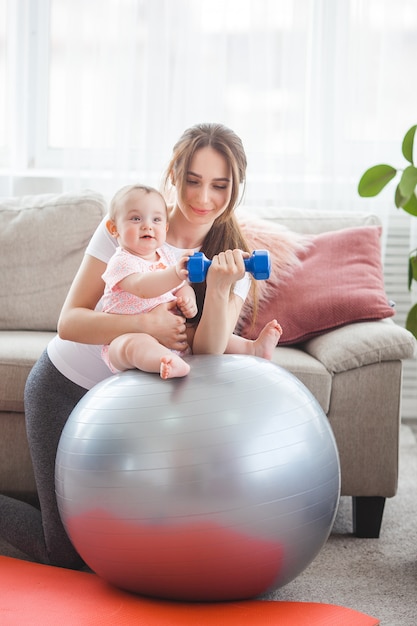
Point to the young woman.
(206, 172)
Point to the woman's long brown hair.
(225, 234)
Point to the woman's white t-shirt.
(80, 362)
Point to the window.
(3, 72)
(310, 86)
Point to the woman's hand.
(163, 324)
(225, 269)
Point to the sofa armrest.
(362, 343)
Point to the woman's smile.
(198, 211)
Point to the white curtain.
(94, 93)
(317, 89)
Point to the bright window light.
(3, 77)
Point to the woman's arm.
(222, 307)
(79, 322)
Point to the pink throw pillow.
(339, 281)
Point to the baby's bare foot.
(267, 340)
(173, 366)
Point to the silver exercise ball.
(221, 485)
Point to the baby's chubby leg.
(143, 352)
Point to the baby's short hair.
(126, 190)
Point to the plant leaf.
(413, 266)
(410, 275)
(408, 144)
(400, 200)
(411, 321)
(411, 205)
(375, 179)
(408, 181)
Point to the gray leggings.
(49, 400)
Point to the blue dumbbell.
(259, 264)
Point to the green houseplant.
(376, 178)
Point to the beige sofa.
(354, 371)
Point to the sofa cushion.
(19, 350)
(42, 241)
(341, 350)
(309, 370)
(339, 281)
(308, 221)
(286, 247)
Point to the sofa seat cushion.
(365, 343)
(308, 370)
(42, 241)
(19, 351)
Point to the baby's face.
(142, 222)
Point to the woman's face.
(208, 187)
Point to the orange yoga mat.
(46, 596)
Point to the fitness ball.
(221, 485)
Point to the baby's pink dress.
(115, 300)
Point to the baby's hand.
(187, 306)
(181, 266)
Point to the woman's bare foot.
(267, 340)
(173, 366)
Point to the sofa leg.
(367, 516)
